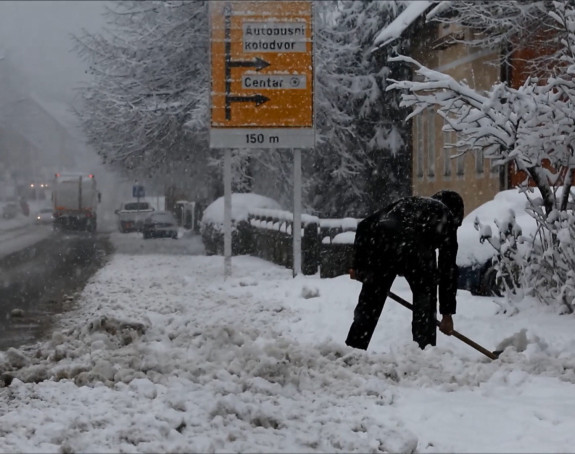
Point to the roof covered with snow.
(394, 30)
(414, 9)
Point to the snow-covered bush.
(539, 262)
(212, 223)
(549, 271)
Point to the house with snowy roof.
(436, 162)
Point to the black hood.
(453, 201)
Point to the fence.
(336, 252)
(327, 244)
(272, 238)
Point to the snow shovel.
(461, 337)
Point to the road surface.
(42, 278)
(42, 272)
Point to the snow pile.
(164, 355)
(241, 205)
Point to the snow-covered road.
(163, 354)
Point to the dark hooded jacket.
(403, 238)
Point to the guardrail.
(326, 244)
(336, 251)
(272, 238)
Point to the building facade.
(437, 162)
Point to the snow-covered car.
(44, 216)
(212, 223)
(474, 258)
(160, 224)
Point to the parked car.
(212, 223)
(44, 216)
(131, 216)
(474, 258)
(160, 224)
(10, 211)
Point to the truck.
(131, 215)
(75, 199)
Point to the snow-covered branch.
(528, 125)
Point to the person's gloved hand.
(446, 325)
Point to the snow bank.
(163, 354)
(241, 205)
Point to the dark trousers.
(423, 283)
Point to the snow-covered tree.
(526, 126)
(147, 108)
(542, 106)
(529, 126)
(360, 162)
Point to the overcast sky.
(36, 37)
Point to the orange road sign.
(262, 72)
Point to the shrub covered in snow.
(534, 252)
(212, 223)
(549, 267)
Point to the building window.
(479, 162)
(448, 147)
(493, 168)
(460, 163)
(430, 117)
(419, 145)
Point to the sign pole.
(262, 90)
(296, 212)
(227, 212)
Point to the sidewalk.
(163, 354)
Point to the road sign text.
(273, 82)
(262, 71)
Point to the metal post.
(296, 212)
(227, 212)
(137, 188)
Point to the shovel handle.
(454, 333)
(475, 345)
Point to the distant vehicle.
(160, 224)
(44, 216)
(75, 198)
(131, 216)
(10, 210)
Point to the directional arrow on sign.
(257, 63)
(258, 99)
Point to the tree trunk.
(566, 189)
(536, 174)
